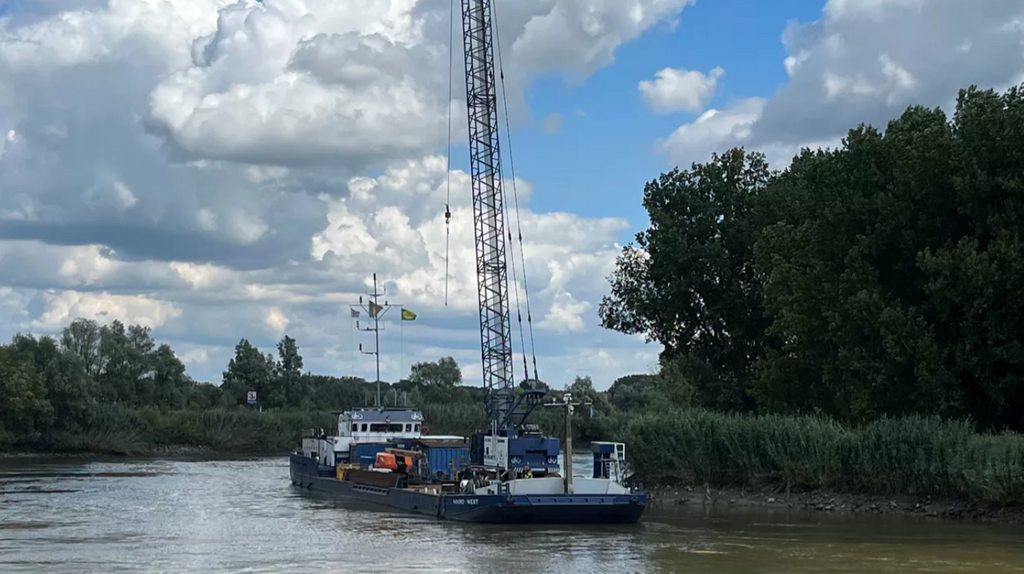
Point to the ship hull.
(491, 509)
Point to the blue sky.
(597, 165)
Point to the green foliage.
(882, 278)
(630, 392)
(438, 379)
(895, 271)
(911, 455)
(689, 282)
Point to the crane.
(488, 208)
(509, 442)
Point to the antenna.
(376, 312)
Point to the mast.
(376, 312)
(568, 405)
(488, 210)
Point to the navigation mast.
(376, 312)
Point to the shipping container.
(365, 453)
(440, 459)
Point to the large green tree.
(689, 282)
(895, 272)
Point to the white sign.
(250, 397)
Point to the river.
(243, 515)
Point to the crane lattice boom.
(488, 209)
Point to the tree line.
(65, 385)
(885, 277)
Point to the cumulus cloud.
(219, 169)
(864, 61)
(676, 90)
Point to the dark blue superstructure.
(540, 453)
(524, 444)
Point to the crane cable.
(515, 194)
(448, 168)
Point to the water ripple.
(243, 516)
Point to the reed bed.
(914, 455)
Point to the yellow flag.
(408, 315)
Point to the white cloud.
(565, 313)
(864, 61)
(61, 307)
(276, 321)
(219, 169)
(195, 356)
(707, 133)
(552, 123)
(676, 90)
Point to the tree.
(172, 386)
(689, 282)
(630, 392)
(337, 392)
(82, 339)
(444, 374)
(251, 370)
(289, 371)
(895, 270)
(24, 397)
(69, 391)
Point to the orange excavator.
(396, 460)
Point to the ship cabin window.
(417, 428)
(408, 428)
(384, 427)
(355, 427)
(364, 427)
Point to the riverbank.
(833, 503)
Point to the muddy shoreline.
(838, 504)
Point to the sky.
(220, 170)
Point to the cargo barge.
(381, 456)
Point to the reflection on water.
(244, 516)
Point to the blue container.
(366, 453)
(440, 458)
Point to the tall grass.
(117, 430)
(910, 455)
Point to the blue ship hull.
(493, 509)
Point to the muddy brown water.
(243, 515)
